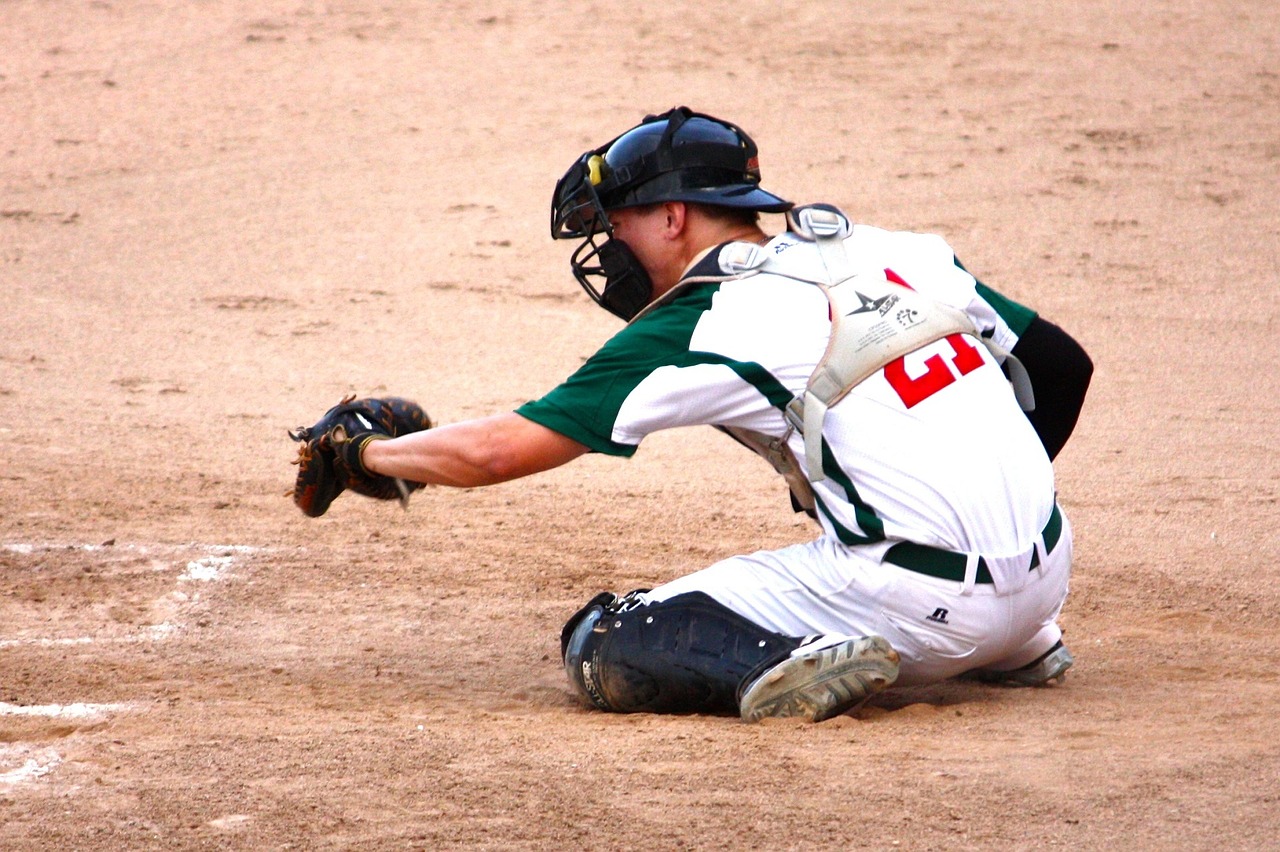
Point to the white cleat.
(825, 678)
(1052, 665)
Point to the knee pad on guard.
(687, 654)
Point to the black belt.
(949, 565)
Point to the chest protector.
(873, 321)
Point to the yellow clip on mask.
(596, 167)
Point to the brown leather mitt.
(329, 456)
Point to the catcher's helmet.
(680, 155)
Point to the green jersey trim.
(865, 516)
(1016, 316)
(556, 419)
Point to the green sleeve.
(585, 406)
(1016, 316)
(547, 412)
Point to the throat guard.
(612, 275)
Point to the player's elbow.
(508, 447)
(501, 463)
(484, 460)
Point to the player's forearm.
(441, 456)
(471, 453)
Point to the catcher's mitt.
(329, 459)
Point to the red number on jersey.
(936, 375)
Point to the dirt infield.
(216, 219)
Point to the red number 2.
(936, 376)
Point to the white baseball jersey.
(931, 449)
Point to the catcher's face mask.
(680, 155)
(605, 267)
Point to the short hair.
(731, 215)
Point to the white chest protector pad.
(873, 321)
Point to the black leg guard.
(684, 655)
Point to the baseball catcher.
(329, 456)
(913, 411)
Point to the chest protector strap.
(873, 322)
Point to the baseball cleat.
(1051, 665)
(825, 678)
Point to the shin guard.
(688, 654)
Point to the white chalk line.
(206, 569)
(78, 710)
(212, 568)
(27, 548)
(32, 768)
(36, 763)
(150, 633)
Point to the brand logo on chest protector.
(908, 317)
(881, 305)
(939, 615)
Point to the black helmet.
(680, 155)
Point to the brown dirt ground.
(218, 218)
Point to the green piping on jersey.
(779, 396)
(749, 371)
(692, 306)
(865, 515)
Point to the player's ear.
(676, 213)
